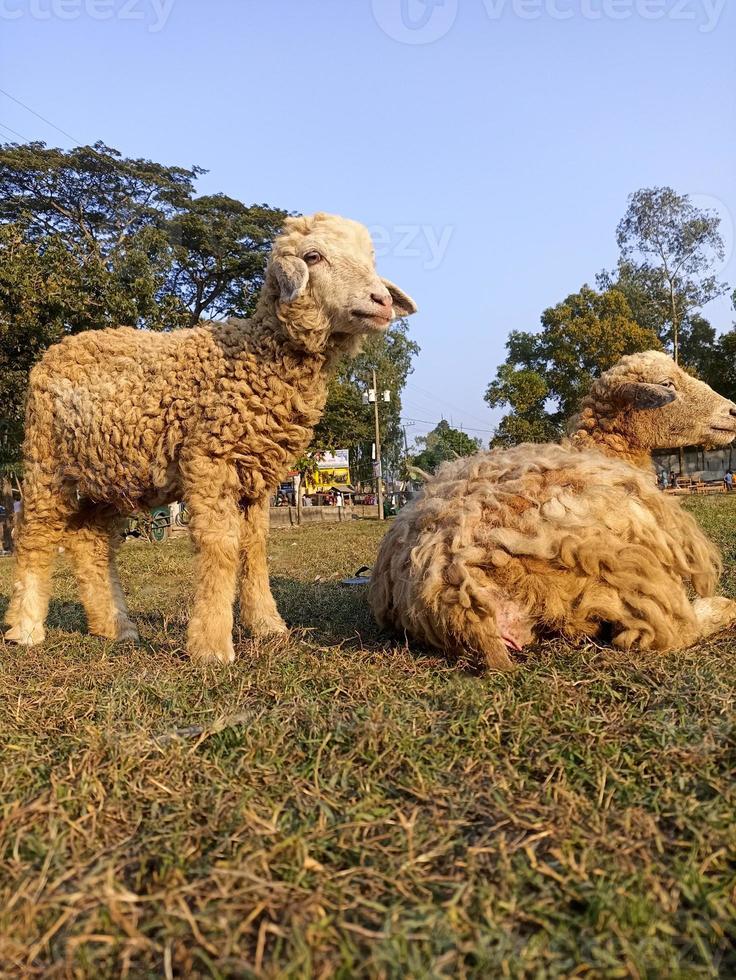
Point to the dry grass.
(338, 805)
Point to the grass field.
(338, 805)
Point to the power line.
(443, 401)
(39, 116)
(419, 409)
(470, 428)
(14, 132)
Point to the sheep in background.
(570, 537)
(124, 419)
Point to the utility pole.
(379, 470)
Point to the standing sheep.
(569, 537)
(124, 419)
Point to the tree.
(526, 391)
(547, 373)
(40, 291)
(347, 422)
(442, 444)
(219, 254)
(723, 370)
(110, 213)
(668, 248)
(90, 239)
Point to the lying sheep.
(574, 538)
(124, 419)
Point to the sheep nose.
(733, 411)
(383, 299)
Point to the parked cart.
(155, 526)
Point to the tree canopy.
(443, 443)
(545, 374)
(219, 248)
(668, 250)
(91, 239)
(652, 299)
(348, 423)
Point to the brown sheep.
(124, 419)
(575, 538)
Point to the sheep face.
(657, 405)
(330, 262)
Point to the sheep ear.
(642, 396)
(403, 305)
(291, 274)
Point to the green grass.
(339, 805)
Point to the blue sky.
(491, 144)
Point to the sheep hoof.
(126, 632)
(268, 626)
(204, 654)
(26, 634)
(122, 631)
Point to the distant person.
(673, 479)
(6, 536)
(728, 480)
(663, 480)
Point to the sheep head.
(323, 280)
(646, 402)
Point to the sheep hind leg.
(258, 611)
(714, 615)
(93, 537)
(39, 534)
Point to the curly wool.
(507, 544)
(124, 419)
(123, 413)
(120, 414)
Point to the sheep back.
(118, 414)
(564, 538)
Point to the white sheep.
(123, 419)
(575, 538)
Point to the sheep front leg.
(215, 530)
(258, 612)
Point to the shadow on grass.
(339, 615)
(333, 613)
(67, 616)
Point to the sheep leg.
(215, 529)
(258, 611)
(714, 615)
(93, 536)
(39, 532)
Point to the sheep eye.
(667, 384)
(312, 258)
